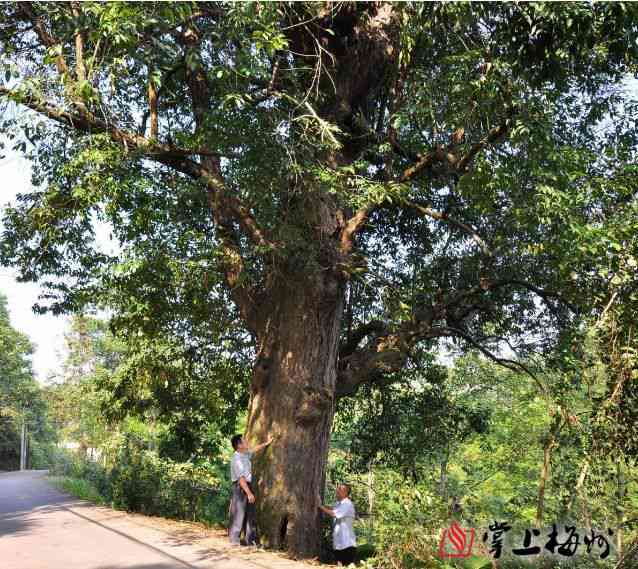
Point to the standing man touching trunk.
(344, 541)
(242, 501)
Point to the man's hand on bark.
(264, 445)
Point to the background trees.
(21, 401)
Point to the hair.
(235, 441)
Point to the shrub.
(42, 455)
(65, 463)
(142, 481)
(78, 487)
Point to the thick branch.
(84, 121)
(352, 227)
(387, 353)
(80, 68)
(226, 209)
(356, 222)
(443, 155)
(381, 357)
(152, 105)
(492, 136)
(359, 334)
(421, 164)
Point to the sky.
(45, 331)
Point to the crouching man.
(242, 501)
(343, 539)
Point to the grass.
(77, 487)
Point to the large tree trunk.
(293, 398)
(294, 379)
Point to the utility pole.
(23, 446)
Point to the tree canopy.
(469, 159)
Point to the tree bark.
(293, 390)
(548, 448)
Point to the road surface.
(41, 528)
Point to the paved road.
(41, 528)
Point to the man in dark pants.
(242, 502)
(344, 541)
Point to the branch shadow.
(144, 566)
(222, 552)
(21, 522)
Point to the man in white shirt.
(242, 502)
(344, 541)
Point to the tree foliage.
(410, 425)
(21, 401)
(475, 191)
(107, 379)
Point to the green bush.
(141, 481)
(42, 455)
(404, 528)
(144, 482)
(407, 524)
(78, 487)
(65, 463)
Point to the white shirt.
(240, 465)
(343, 532)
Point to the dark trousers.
(346, 556)
(242, 516)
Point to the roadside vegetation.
(468, 441)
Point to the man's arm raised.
(263, 445)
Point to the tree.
(74, 401)
(20, 395)
(15, 362)
(190, 401)
(329, 189)
(188, 405)
(406, 422)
